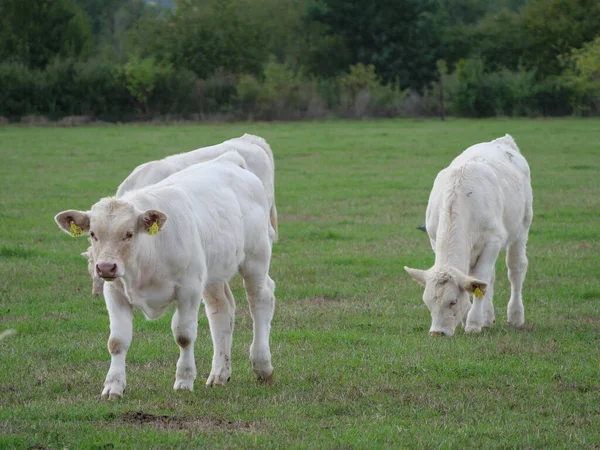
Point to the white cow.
(480, 204)
(255, 150)
(171, 242)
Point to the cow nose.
(106, 269)
(437, 333)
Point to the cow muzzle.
(440, 333)
(107, 270)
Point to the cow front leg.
(184, 325)
(489, 316)
(481, 313)
(220, 310)
(121, 328)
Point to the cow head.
(447, 296)
(114, 227)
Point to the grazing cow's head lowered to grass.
(447, 296)
(114, 227)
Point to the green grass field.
(354, 364)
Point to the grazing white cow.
(480, 204)
(172, 241)
(256, 153)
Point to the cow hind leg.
(184, 325)
(220, 310)
(516, 261)
(260, 290)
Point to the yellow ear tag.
(153, 229)
(478, 292)
(76, 230)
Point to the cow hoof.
(114, 386)
(184, 385)
(112, 392)
(267, 379)
(218, 379)
(517, 320)
(472, 329)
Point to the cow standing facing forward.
(479, 205)
(257, 155)
(172, 242)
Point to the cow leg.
(489, 317)
(121, 329)
(184, 325)
(481, 313)
(260, 290)
(220, 310)
(516, 261)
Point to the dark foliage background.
(294, 59)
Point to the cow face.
(447, 296)
(97, 282)
(114, 227)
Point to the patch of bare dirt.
(165, 422)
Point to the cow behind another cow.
(479, 205)
(172, 242)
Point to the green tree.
(401, 38)
(553, 27)
(211, 34)
(151, 37)
(35, 32)
(582, 74)
(140, 79)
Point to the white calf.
(172, 241)
(256, 153)
(479, 205)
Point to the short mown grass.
(355, 366)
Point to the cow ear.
(73, 222)
(418, 275)
(474, 286)
(152, 221)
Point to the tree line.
(292, 59)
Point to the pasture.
(354, 364)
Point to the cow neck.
(140, 271)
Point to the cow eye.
(452, 303)
(128, 235)
(93, 235)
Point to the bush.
(139, 76)
(175, 92)
(142, 88)
(249, 92)
(58, 91)
(101, 93)
(361, 93)
(282, 95)
(581, 77)
(473, 92)
(217, 94)
(18, 89)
